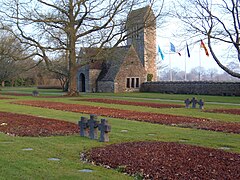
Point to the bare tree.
(61, 71)
(217, 21)
(177, 74)
(11, 63)
(196, 74)
(48, 28)
(211, 73)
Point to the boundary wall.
(193, 87)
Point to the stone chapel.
(125, 68)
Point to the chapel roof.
(111, 66)
(108, 60)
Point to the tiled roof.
(111, 65)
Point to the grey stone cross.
(187, 103)
(93, 127)
(35, 93)
(194, 102)
(84, 129)
(104, 128)
(201, 104)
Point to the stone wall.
(105, 86)
(85, 71)
(130, 68)
(150, 51)
(93, 75)
(143, 22)
(193, 87)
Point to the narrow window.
(128, 83)
(137, 82)
(132, 82)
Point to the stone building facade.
(141, 24)
(122, 69)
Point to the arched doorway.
(82, 86)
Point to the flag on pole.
(204, 47)
(188, 52)
(160, 52)
(173, 49)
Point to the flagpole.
(185, 76)
(158, 69)
(170, 66)
(199, 73)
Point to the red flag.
(204, 47)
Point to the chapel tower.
(141, 27)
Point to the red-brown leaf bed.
(173, 120)
(225, 111)
(167, 160)
(3, 98)
(122, 102)
(26, 125)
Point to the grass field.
(15, 163)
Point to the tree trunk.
(3, 83)
(72, 89)
(12, 83)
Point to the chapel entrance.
(82, 81)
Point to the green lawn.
(16, 163)
(174, 97)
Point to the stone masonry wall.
(150, 51)
(93, 75)
(105, 86)
(85, 71)
(130, 68)
(193, 87)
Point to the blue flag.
(172, 47)
(188, 52)
(160, 52)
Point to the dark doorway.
(82, 87)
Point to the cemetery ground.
(59, 157)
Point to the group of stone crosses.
(89, 128)
(35, 93)
(194, 103)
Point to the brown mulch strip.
(26, 125)
(168, 160)
(5, 98)
(225, 111)
(173, 120)
(122, 102)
